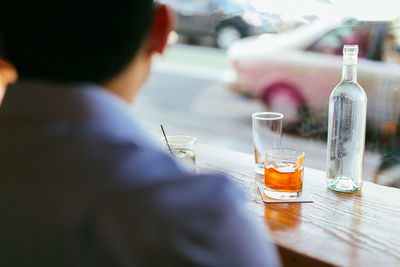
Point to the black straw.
(166, 140)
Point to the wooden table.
(344, 229)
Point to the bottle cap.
(350, 50)
(350, 54)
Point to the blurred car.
(297, 71)
(224, 20)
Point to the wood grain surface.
(341, 229)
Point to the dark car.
(225, 20)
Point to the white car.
(297, 71)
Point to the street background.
(187, 92)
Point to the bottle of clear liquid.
(346, 128)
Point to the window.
(299, 61)
(391, 46)
(333, 41)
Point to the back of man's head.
(73, 41)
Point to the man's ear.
(163, 23)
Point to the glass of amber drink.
(283, 173)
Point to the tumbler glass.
(182, 148)
(284, 170)
(267, 134)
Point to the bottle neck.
(349, 73)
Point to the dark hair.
(73, 41)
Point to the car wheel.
(226, 35)
(285, 99)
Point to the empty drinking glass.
(267, 134)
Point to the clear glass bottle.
(346, 128)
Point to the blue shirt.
(82, 185)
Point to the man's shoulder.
(150, 168)
(150, 173)
(150, 185)
(178, 192)
(182, 218)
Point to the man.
(81, 184)
(7, 76)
